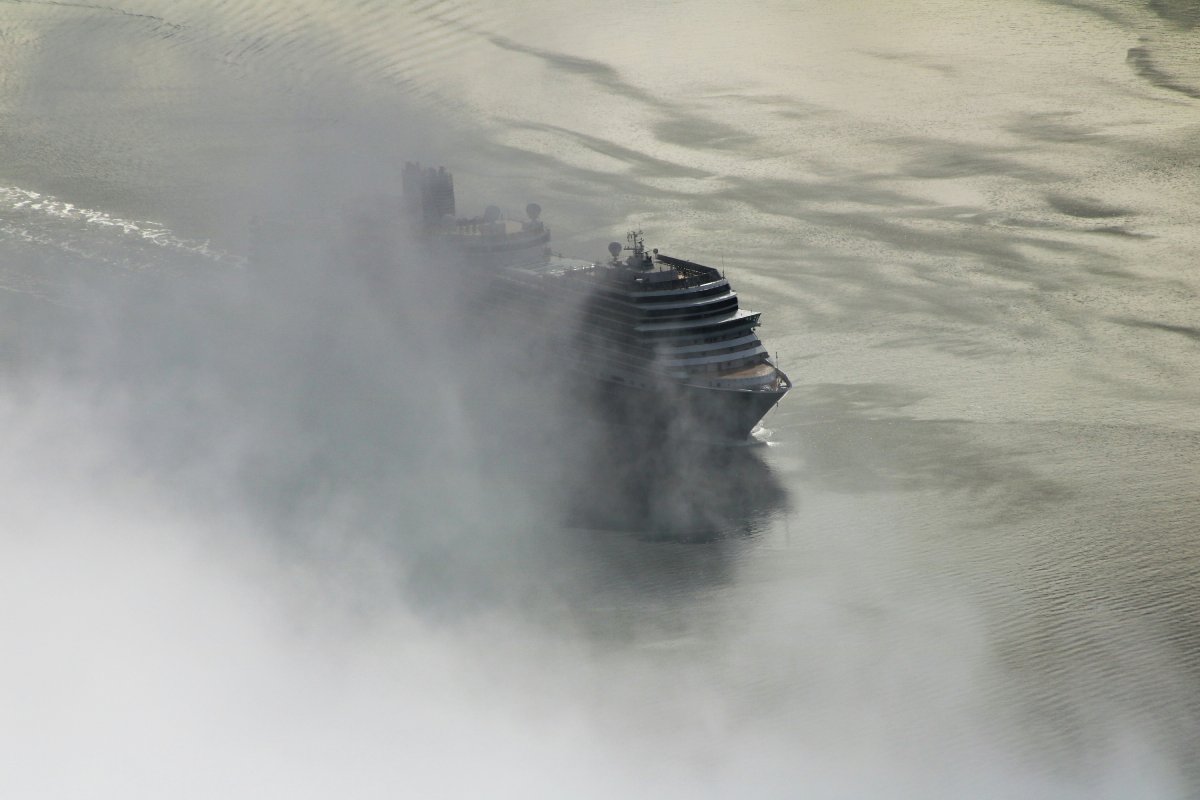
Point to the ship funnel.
(614, 248)
(428, 193)
(534, 211)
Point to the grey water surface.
(278, 520)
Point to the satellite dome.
(614, 248)
(491, 214)
(533, 210)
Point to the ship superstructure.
(662, 340)
(485, 242)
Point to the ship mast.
(639, 260)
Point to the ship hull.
(671, 410)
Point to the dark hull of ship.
(675, 410)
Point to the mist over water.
(282, 516)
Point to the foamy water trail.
(31, 207)
(54, 244)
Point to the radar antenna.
(639, 259)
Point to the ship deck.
(554, 265)
(755, 371)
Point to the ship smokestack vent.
(428, 193)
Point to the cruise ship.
(656, 342)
